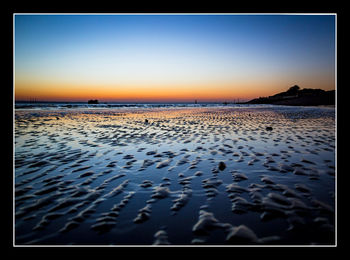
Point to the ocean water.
(110, 105)
(150, 174)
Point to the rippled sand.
(215, 176)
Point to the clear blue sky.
(129, 54)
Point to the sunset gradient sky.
(166, 57)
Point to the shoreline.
(168, 106)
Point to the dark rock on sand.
(222, 166)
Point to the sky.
(170, 57)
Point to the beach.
(235, 175)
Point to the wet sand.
(212, 176)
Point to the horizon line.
(130, 101)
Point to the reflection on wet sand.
(175, 176)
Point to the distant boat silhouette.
(93, 101)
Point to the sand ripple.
(252, 175)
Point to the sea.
(43, 105)
(85, 105)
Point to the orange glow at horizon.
(221, 91)
(142, 93)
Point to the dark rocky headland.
(295, 96)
